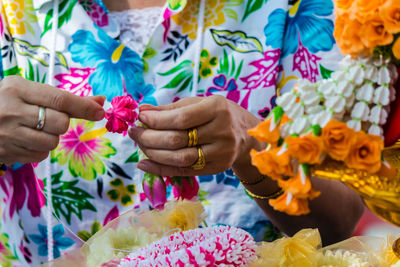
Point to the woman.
(241, 53)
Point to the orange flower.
(390, 14)
(263, 132)
(362, 9)
(342, 6)
(296, 206)
(306, 149)
(271, 164)
(347, 36)
(365, 152)
(373, 32)
(396, 48)
(387, 170)
(337, 138)
(296, 187)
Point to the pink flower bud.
(155, 190)
(184, 187)
(122, 114)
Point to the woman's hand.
(20, 99)
(222, 134)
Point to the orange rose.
(342, 6)
(390, 14)
(365, 152)
(296, 206)
(270, 164)
(306, 149)
(362, 9)
(396, 48)
(373, 32)
(347, 36)
(337, 138)
(263, 133)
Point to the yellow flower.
(214, 16)
(365, 152)
(184, 215)
(20, 15)
(207, 64)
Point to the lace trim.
(137, 26)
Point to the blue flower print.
(227, 178)
(60, 242)
(118, 68)
(307, 22)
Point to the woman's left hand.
(222, 134)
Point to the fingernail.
(100, 115)
(143, 165)
(145, 107)
(143, 118)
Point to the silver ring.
(41, 118)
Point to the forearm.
(335, 213)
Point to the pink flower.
(122, 114)
(155, 190)
(184, 187)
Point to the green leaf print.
(134, 158)
(65, 12)
(238, 41)
(85, 235)
(68, 198)
(34, 74)
(183, 78)
(325, 73)
(148, 54)
(252, 6)
(228, 67)
(38, 52)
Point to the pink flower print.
(306, 63)
(122, 114)
(267, 71)
(95, 11)
(76, 82)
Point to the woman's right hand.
(20, 100)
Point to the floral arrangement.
(340, 118)
(212, 246)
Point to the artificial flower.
(184, 187)
(122, 114)
(337, 138)
(339, 258)
(365, 152)
(265, 132)
(211, 246)
(183, 215)
(155, 190)
(272, 164)
(296, 186)
(306, 149)
(390, 14)
(290, 205)
(342, 6)
(373, 32)
(396, 48)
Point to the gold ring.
(193, 137)
(201, 162)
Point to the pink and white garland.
(213, 246)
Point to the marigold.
(296, 206)
(373, 32)
(365, 152)
(306, 149)
(396, 48)
(271, 164)
(363, 9)
(337, 138)
(390, 14)
(263, 132)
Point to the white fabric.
(137, 26)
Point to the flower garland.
(340, 117)
(213, 246)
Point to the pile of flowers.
(213, 246)
(340, 118)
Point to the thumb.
(99, 99)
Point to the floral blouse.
(251, 51)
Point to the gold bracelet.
(262, 178)
(271, 196)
